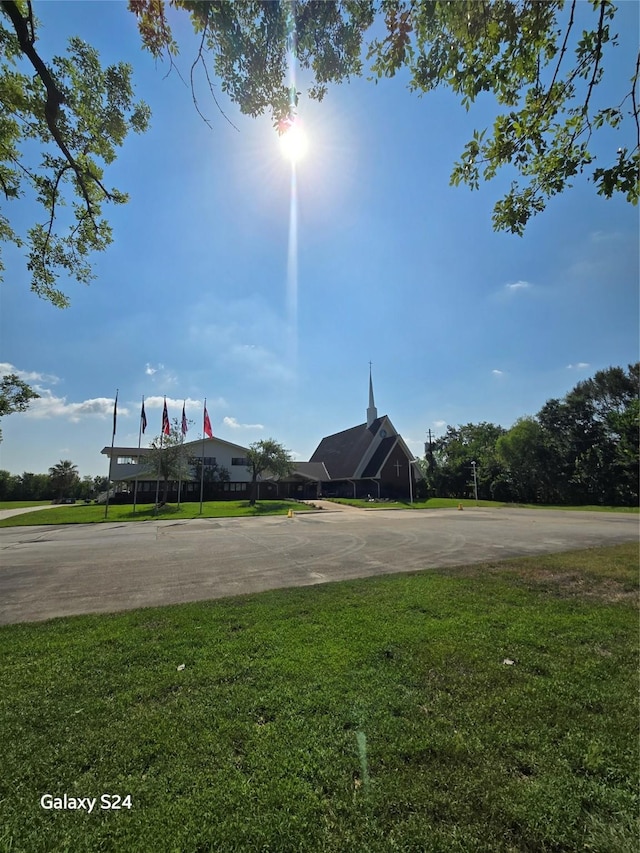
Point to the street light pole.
(475, 482)
(411, 462)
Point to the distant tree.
(64, 478)
(86, 489)
(8, 486)
(168, 459)
(593, 434)
(100, 484)
(528, 462)
(15, 394)
(453, 454)
(34, 487)
(213, 473)
(267, 456)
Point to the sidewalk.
(7, 513)
(330, 506)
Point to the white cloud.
(498, 372)
(247, 338)
(580, 365)
(50, 406)
(518, 286)
(439, 424)
(605, 236)
(160, 374)
(233, 424)
(27, 375)
(157, 402)
(262, 362)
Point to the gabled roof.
(343, 451)
(196, 443)
(380, 455)
(311, 471)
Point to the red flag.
(166, 429)
(207, 424)
(143, 418)
(184, 421)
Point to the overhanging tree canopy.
(542, 62)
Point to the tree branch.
(598, 58)
(54, 96)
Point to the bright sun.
(293, 142)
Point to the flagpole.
(165, 417)
(113, 436)
(183, 425)
(135, 487)
(158, 476)
(202, 459)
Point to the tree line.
(61, 481)
(582, 449)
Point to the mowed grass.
(95, 513)
(20, 504)
(484, 708)
(452, 503)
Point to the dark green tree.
(9, 485)
(15, 395)
(593, 433)
(64, 479)
(267, 457)
(456, 450)
(528, 462)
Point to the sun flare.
(293, 142)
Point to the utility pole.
(475, 481)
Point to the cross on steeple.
(397, 467)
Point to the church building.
(367, 460)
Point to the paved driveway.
(49, 571)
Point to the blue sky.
(194, 298)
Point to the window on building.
(239, 460)
(126, 460)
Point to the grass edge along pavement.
(452, 503)
(94, 513)
(474, 708)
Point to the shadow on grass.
(188, 510)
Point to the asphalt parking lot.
(61, 570)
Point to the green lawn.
(93, 513)
(443, 503)
(20, 504)
(483, 708)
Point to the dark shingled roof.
(342, 452)
(312, 470)
(377, 460)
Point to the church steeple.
(372, 412)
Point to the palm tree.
(64, 477)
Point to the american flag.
(166, 428)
